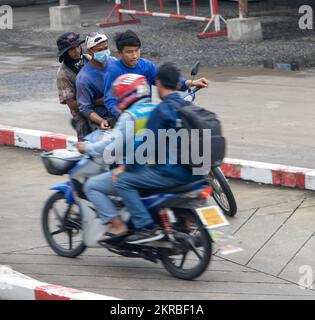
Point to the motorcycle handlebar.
(195, 89)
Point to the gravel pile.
(173, 40)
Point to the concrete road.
(266, 115)
(274, 226)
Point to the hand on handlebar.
(104, 125)
(200, 83)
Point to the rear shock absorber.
(168, 229)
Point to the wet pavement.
(267, 115)
(274, 226)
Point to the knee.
(89, 186)
(121, 184)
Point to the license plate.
(212, 217)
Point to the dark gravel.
(165, 39)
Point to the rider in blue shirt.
(129, 49)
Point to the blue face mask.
(102, 56)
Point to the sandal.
(112, 237)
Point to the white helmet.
(94, 38)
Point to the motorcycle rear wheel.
(183, 263)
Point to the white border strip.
(17, 286)
(261, 172)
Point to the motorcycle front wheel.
(222, 192)
(61, 223)
(191, 257)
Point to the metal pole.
(178, 7)
(161, 6)
(243, 8)
(63, 3)
(194, 7)
(215, 7)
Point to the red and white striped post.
(120, 18)
(213, 18)
(216, 19)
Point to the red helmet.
(129, 88)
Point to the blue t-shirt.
(117, 68)
(90, 87)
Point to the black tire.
(200, 238)
(222, 192)
(68, 227)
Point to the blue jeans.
(96, 189)
(142, 178)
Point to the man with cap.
(72, 60)
(90, 83)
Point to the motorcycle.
(185, 215)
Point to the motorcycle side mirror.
(195, 69)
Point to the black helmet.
(67, 41)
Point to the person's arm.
(152, 70)
(72, 104)
(184, 84)
(97, 149)
(86, 105)
(99, 101)
(103, 123)
(109, 100)
(66, 91)
(199, 83)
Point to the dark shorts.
(81, 125)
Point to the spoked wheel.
(222, 192)
(61, 224)
(192, 255)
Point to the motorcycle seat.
(179, 189)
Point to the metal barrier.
(214, 17)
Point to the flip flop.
(110, 237)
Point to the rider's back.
(166, 116)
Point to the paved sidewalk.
(275, 226)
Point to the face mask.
(102, 56)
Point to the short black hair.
(127, 39)
(169, 75)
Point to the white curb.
(17, 286)
(261, 172)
